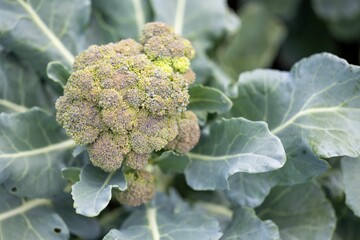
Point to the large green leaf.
(301, 212)
(194, 19)
(336, 10)
(284, 8)
(351, 178)
(20, 86)
(208, 99)
(29, 219)
(83, 227)
(93, 192)
(32, 150)
(43, 30)
(314, 110)
(167, 218)
(248, 189)
(246, 225)
(231, 146)
(256, 42)
(342, 17)
(125, 19)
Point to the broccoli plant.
(183, 120)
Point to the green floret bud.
(189, 133)
(126, 100)
(119, 119)
(181, 64)
(109, 98)
(140, 188)
(80, 119)
(128, 47)
(155, 29)
(90, 56)
(108, 150)
(82, 86)
(136, 161)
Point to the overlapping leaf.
(29, 219)
(32, 151)
(255, 43)
(351, 178)
(93, 192)
(246, 225)
(166, 218)
(195, 20)
(43, 30)
(83, 227)
(20, 86)
(232, 145)
(314, 110)
(300, 212)
(125, 19)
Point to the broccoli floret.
(189, 133)
(125, 100)
(140, 188)
(136, 161)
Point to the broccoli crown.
(124, 100)
(189, 133)
(140, 188)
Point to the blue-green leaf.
(93, 192)
(301, 212)
(21, 87)
(231, 146)
(350, 168)
(208, 99)
(256, 42)
(29, 219)
(42, 31)
(32, 151)
(246, 225)
(314, 109)
(165, 218)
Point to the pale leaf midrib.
(13, 106)
(179, 16)
(24, 208)
(223, 157)
(139, 16)
(50, 148)
(48, 33)
(153, 226)
(308, 112)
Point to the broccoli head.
(125, 100)
(140, 188)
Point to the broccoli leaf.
(249, 189)
(224, 151)
(314, 110)
(350, 168)
(93, 192)
(33, 149)
(58, 72)
(43, 30)
(301, 212)
(84, 227)
(246, 225)
(208, 99)
(125, 19)
(29, 219)
(259, 28)
(21, 87)
(167, 218)
(194, 20)
(342, 17)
